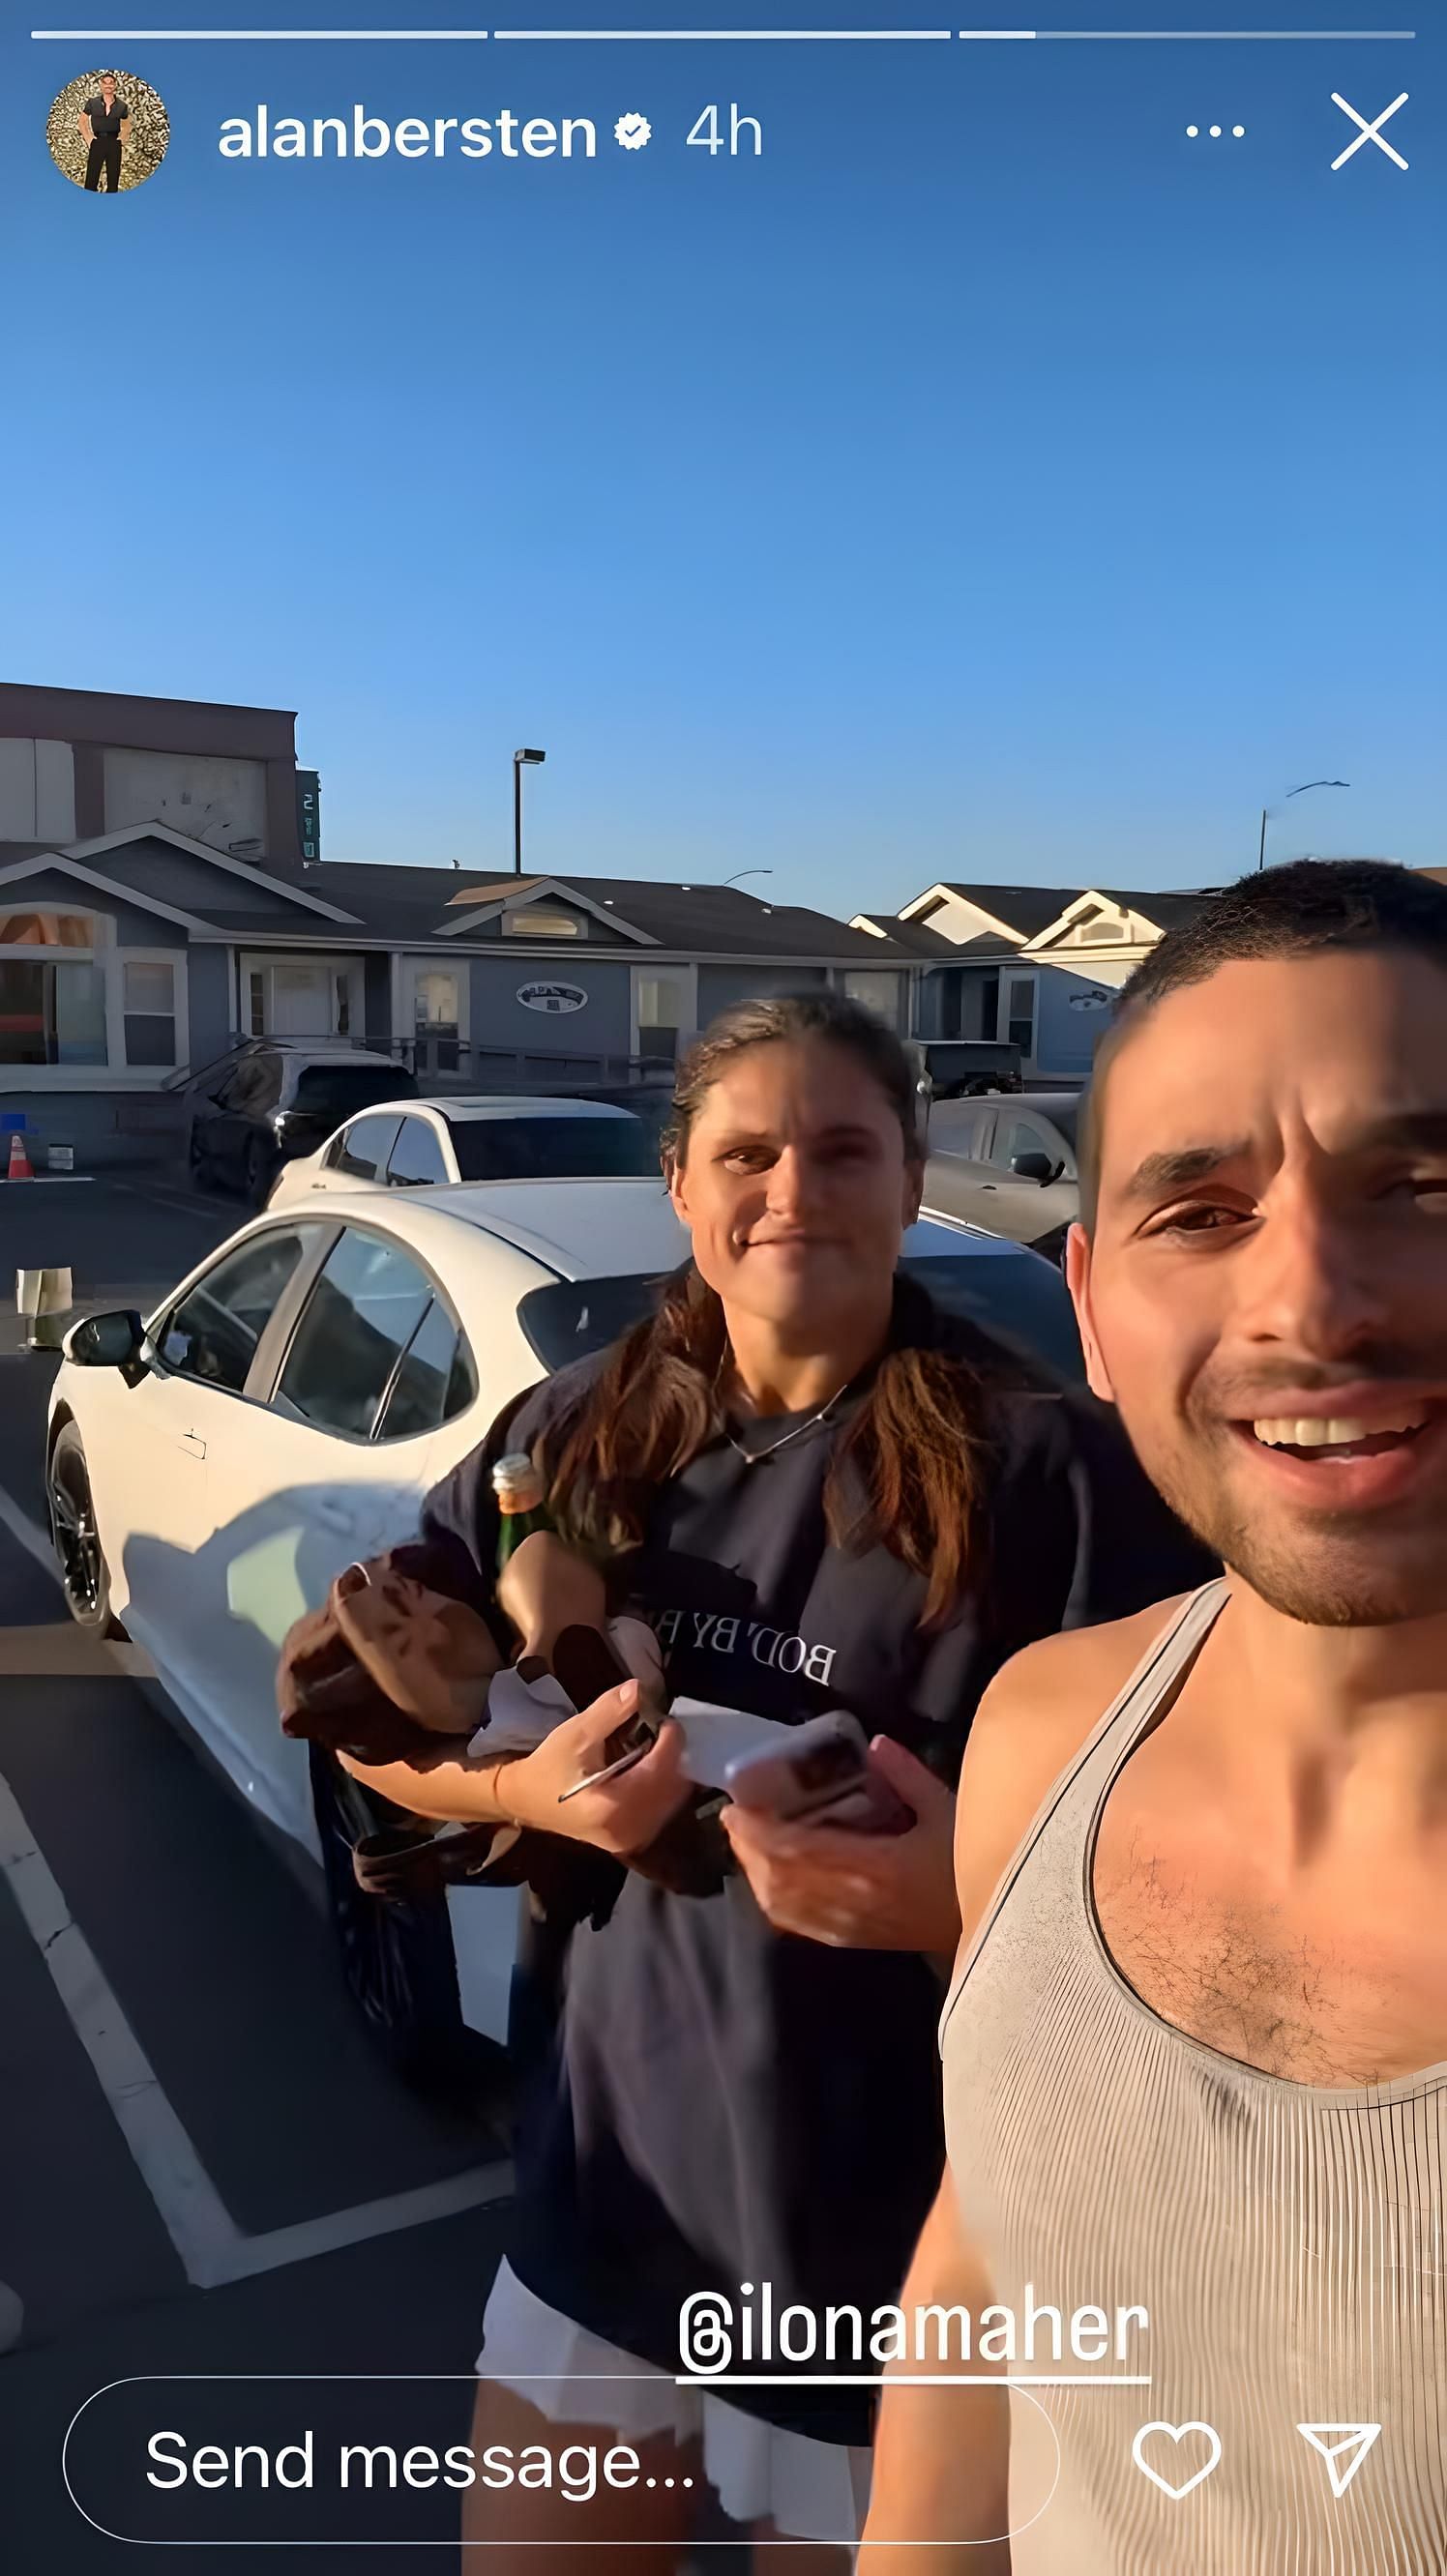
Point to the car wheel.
(256, 1172)
(85, 1576)
(397, 1959)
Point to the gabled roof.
(1018, 911)
(1162, 911)
(477, 904)
(693, 919)
(45, 862)
(916, 936)
(287, 888)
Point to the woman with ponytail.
(823, 1493)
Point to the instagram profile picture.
(107, 131)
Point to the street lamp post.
(740, 873)
(1294, 791)
(520, 760)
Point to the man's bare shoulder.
(1064, 1683)
(1033, 1719)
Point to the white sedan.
(212, 1468)
(501, 1136)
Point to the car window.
(435, 1379)
(213, 1332)
(1020, 1136)
(361, 1150)
(1032, 1136)
(416, 1157)
(554, 1149)
(254, 1086)
(953, 1130)
(1018, 1298)
(367, 1303)
(340, 1089)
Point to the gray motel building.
(163, 896)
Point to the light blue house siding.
(1072, 1011)
(499, 1019)
(720, 985)
(209, 977)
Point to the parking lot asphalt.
(203, 2167)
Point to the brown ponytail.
(908, 1468)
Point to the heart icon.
(1175, 2433)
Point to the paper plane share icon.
(1343, 2447)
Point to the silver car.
(1007, 1163)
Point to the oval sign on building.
(552, 997)
(1092, 1000)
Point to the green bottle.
(520, 1506)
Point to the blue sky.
(987, 482)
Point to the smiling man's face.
(1265, 1292)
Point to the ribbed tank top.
(1286, 2240)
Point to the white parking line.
(29, 1534)
(211, 2247)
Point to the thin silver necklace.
(755, 1457)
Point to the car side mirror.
(1034, 1167)
(107, 1341)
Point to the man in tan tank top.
(1195, 2051)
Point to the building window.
(662, 1009)
(1020, 1007)
(535, 921)
(52, 1007)
(46, 930)
(878, 993)
(51, 1014)
(344, 1003)
(149, 999)
(256, 991)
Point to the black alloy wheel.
(85, 1576)
(256, 1171)
(397, 1959)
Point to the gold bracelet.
(499, 1766)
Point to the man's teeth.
(1337, 1431)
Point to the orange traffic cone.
(19, 1161)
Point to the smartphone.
(586, 1665)
(823, 1776)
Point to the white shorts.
(807, 2490)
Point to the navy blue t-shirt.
(725, 2103)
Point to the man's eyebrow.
(1159, 1174)
(1408, 1131)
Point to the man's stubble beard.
(1340, 1573)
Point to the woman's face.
(796, 1190)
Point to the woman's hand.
(620, 1816)
(859, 1891)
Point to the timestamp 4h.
(727, 130)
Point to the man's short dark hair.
(1292, 911)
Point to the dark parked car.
(961, 1068)
(266, 1102)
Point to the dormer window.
(540, 921)
(1096, 930)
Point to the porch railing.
(444, 1064)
